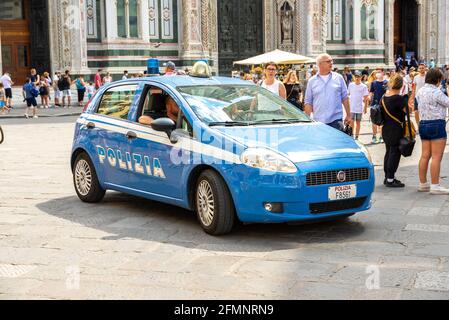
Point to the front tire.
(85, 180)
(214, 205)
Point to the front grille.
(339, 205)
(330, 177)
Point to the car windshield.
(240, 105)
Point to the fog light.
(274, 207)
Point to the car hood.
(300, 142)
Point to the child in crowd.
(90, 90)
(358, 100)
(3, 105)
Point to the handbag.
(376, 115)
(407, 142)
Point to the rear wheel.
(213, 203)
(1, 135)
(85, 180)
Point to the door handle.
(131, 135)
(90, 125)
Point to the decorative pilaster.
(191, 42)
(443, 34)
(144, 29)
(317, 20)
(389, 32)
(111, 19)
(209, 31)
(68, 36)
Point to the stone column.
(191, 42)
(68, 36)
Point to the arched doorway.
(406, 28)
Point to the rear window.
(116, 101)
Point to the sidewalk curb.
(40, 116)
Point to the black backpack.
(63, 84)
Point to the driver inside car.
(172, 112)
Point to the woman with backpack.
(81, 88)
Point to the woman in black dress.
(293, 89)
(393, 109)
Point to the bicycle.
(1, 135)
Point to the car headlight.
(365, 152)
(267, 160)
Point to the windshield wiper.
(281, 121)
(229, 123)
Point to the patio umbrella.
(277, 56)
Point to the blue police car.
(225, 148)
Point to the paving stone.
(433, 280)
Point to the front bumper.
(251, 189)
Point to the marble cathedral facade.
(117, 35)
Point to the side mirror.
(166, 125)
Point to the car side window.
(117, 101)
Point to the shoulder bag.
(406, 143)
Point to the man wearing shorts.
(358, 100)
(65, 83)
(7, 84)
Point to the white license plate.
(343, 192)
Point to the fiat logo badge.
(341, 176)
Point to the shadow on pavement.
(125, 216)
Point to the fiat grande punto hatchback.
(223, 147)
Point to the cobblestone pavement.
(53, 246)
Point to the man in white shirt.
(7, 84)
(419, 82)
(358, 101)
(125, 75)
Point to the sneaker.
(374, 140)
(380, 140)
(424, 187)
(35, 117)
(395, 184)
(27, 116)
(439, 190)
